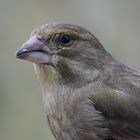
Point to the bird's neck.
(46, 75)
(73, 77)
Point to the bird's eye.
(65, 39)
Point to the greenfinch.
(87, 93)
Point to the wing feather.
(121, 112)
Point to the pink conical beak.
(33, 50)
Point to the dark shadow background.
(116, 23)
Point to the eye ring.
(65, 39)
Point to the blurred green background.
(116, 23)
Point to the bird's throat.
(46, 74)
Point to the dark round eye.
(65, 39)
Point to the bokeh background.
(116, 23)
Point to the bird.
(87, 93)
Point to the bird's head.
(62, 52)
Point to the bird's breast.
(55, 110)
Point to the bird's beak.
(33, 50)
